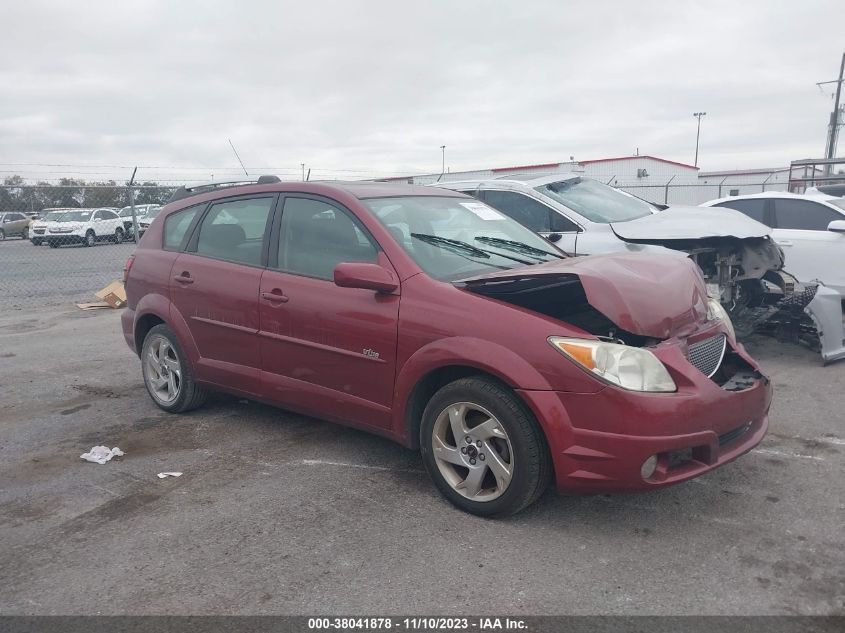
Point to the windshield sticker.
(482, 211)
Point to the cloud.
(377, 87)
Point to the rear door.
(214, 288)
(326, 350)
(812, 252)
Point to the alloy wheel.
(472, 451)
(164, 371)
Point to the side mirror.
(554, 237)
(837, 226)
(365, 276)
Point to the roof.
(743, 172)
(638, 157)
(816, 197)
(529, 182)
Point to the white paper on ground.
(163, 475)
(101, 454)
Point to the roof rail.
(195, 190)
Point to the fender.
(160, 306)
(491, 358)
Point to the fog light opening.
(648, 467)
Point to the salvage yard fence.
(32, 276)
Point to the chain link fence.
(45, 264)
(32, 274)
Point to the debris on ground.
(101, 454)
(163, 475)
(112, 296)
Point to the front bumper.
(599, 441)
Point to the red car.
(430, 318)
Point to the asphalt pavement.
(277, 513)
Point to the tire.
(36, 242)
(90, 238)
(118, 236)
(158, 353)
(25, 233)
(2, 235)
(508, 442)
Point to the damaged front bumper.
(825, 310)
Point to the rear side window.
(803, 215)
(317, 236)
(176, 225)
(234, 230)
(527, 211)
(754, 209)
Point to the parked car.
(430, 318)
(141, 210)
(144, 223)
(85, 226)
(586, 217)
(38, 228)
(13, 224)
(810, 229)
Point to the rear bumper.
(599, 441)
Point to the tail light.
(127, 268)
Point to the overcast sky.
(377, 87)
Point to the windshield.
(53, 216)
(452, 238)
(596, 201)
(75, 216)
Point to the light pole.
(443, 166)
(698, 116)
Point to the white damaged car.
(741, 263)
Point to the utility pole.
(833, 130)
(698, 116)
(443, 153)
(303, 171)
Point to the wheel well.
(144, 325)
(427, 386)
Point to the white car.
(85, 226)
(38, 228)
(809, 228)
(586, 217)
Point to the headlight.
(631, 368)
(715, 312)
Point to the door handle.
(184, 278)
(275, 297)
(784, 243)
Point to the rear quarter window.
(176, 227)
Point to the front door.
(214, 288)
(325, 349)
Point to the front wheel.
(36, 242)
(167, 372)
(118, 236)
(483, 448)
(90, 239)
(25, 234)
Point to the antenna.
(238, 157)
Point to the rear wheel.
(483, 448)
(167, 372)
(90, 238)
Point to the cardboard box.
(114, 294)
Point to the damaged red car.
(428, 317)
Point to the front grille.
(734, 434)
(707, 355)
(39, 231)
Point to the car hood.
(657, 296)
(690, 223)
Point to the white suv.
(85, 226)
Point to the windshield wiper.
(466, 247)
(517, 247)
(455, 244)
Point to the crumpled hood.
(658, 296)
(685, 223)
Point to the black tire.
(190, 395)
(25, 233)
(2, 235)
(532, 467)
(36, 242)
(118, 236)
(90, 238)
